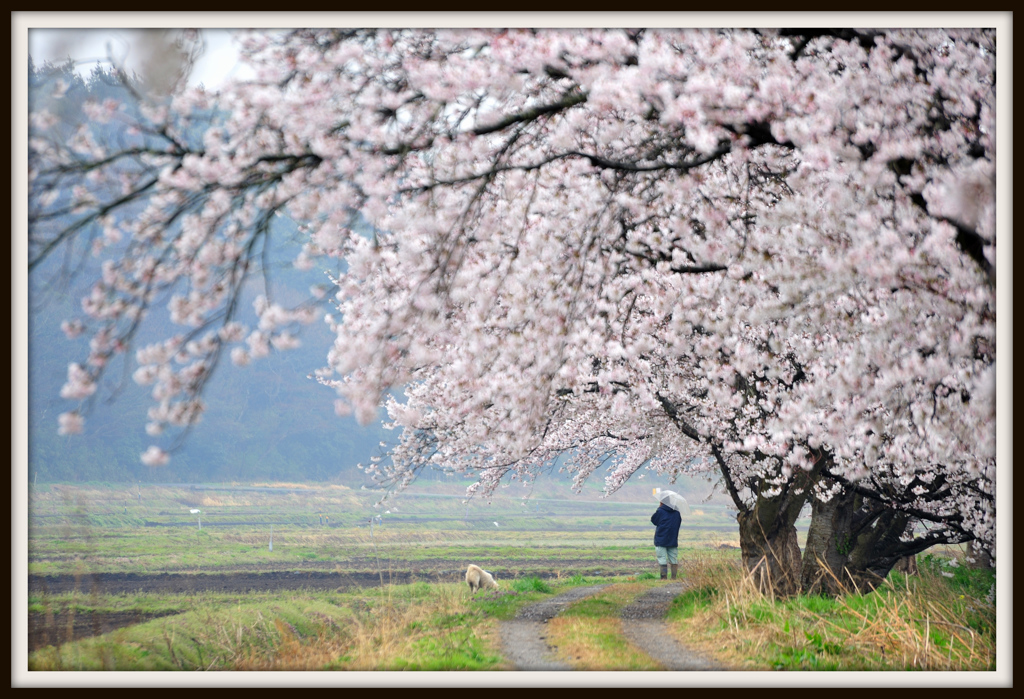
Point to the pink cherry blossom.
(154, 456)
(70, 423)
(762, 256)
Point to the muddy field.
(55, 629)
(271, 581)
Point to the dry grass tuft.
(917, 626)
(596, 643)
(293, 653)
(379, 635)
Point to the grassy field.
(74, 529)
(943, 619)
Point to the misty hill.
(264, 421)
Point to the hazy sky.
(90, 46)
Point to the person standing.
(666, 538)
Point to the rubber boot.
(664, 572)
(675, 569)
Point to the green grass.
(609, 602)
(533, 584)
(503, 604)
(967, 581)
(144, 603)
(684, 606)
(597, 606)
(452, 643)
(815, 654)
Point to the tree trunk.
(768, 543)
(877, 549)
(852, 544)
(824, 566)
(770, 552)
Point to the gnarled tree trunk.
(852, 544)
(770, 551)
(827, 552)
(877, 548)
(768, 542)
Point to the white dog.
(477, 577)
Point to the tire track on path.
(643, 624)
(524, 638)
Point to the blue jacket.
(667, 522)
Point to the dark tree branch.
(972, 245)
(672, 410)
(51, 245)
(805, 36)
(952, 520)
(699, 269)
(730, 486)
(569, 100)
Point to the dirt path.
(643, 624)
(524, 638)
(525, 643)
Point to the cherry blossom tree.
(762, 255)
